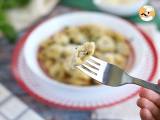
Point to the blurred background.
(16, 18)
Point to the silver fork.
(112, 75)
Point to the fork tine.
(93, 63)
(96, 60)
(86, 71)
(90, 67)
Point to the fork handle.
(147, 85)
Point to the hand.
(149, 102)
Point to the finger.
(146, 114)
(158, 82)
(145, 103)
(150, 95)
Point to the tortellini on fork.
(83, 52)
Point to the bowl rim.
(121, 10)
(139, 3)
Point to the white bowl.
(70, 95)
(121, 10)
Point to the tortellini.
(75, 35)
(61, 38)
(84, 52)
(105, 44)
(56, 53)
(123, 48)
